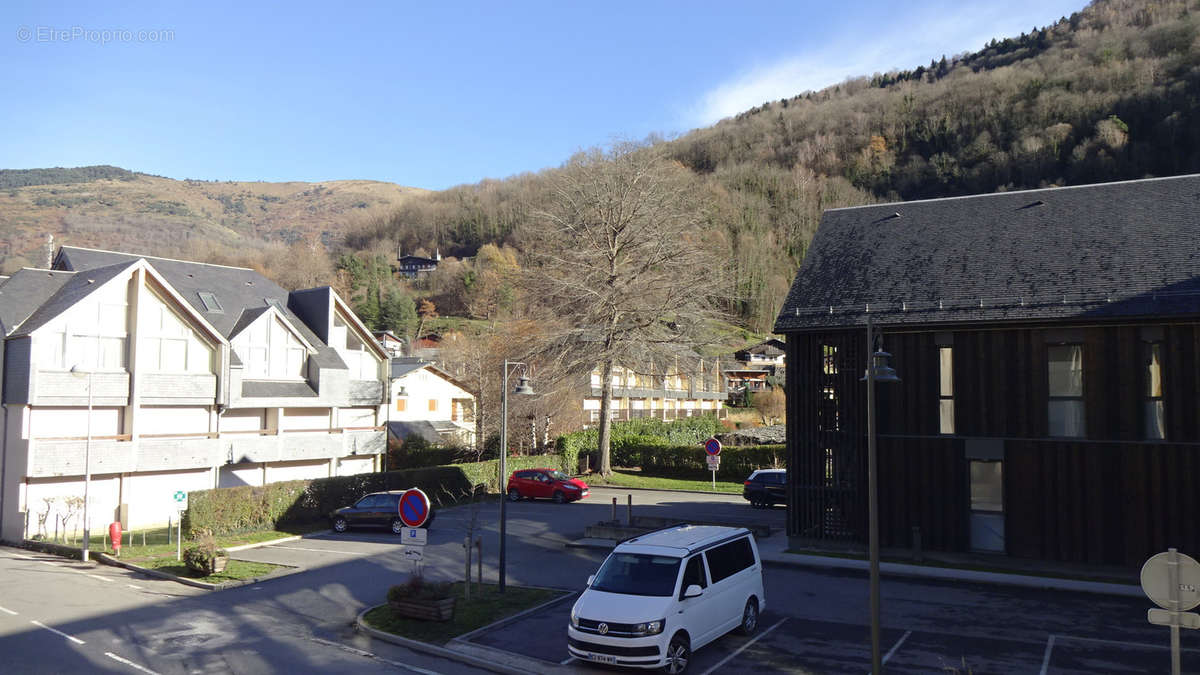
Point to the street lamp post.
(878, 370)
(87, 457)
(522, 388)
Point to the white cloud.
(896, 47)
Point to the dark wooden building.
(1048, 344)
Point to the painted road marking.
(7, 611)
(97, 576)
(369, 655)
(1138, 645)
(758, 637)
(18, 555)
(129, 663)
(136, 588)
(896, 646)
(320, 550)
(76, 640)
(1046, 656)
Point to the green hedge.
(239, 509)
(627, 440)
(737, 462)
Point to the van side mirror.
(693, 591)
(591, 579)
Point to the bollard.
(917, 554)
(479, 558)
(629, 509)
(614, 515)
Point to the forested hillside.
(1111, 92)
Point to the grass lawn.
(634, 478)
(150, 549)
(236, 569)
(487, 605)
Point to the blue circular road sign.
(413, 507)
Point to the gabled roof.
(76, 288)
(238, 289)
(1099, 251)
(23, 292)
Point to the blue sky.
(431, 96)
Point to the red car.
(547, 483)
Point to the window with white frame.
(1155, 427)
(269, 350)
(1065, 410)
(168, 344)
(92, 335)
(945, 390)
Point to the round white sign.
(1156, 581)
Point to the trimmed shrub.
(628, 440)
(688, 461)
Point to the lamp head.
(883, 371)
(523, 386)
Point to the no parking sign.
(413, 507)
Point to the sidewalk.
(773, 551)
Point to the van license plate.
(602, 658)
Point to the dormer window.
(270, 351)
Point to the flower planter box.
(429, 610)
(219, 563)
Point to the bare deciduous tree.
(620, 260)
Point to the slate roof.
(241, 292)
(1110, 250)
(76, 288)
(23, 292)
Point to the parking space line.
(18, 555)
(1139, 645)
(7, 611)
(136, 588)
(129, 663)
(739, 650)
(371, 655)
(1046, 656)
(76, 640)
(97, 576)
(896, 646)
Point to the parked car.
(765, 487)
(660, 596)
(378, 509)
(545, 483)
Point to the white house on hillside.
(429, 402)
(196, 376)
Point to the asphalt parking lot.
(817, 619)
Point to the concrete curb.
(109, 560)
(466, 637)
(498, 662)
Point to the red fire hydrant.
(114, 535)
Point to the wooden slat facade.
(1108, 498)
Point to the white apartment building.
(196, 376)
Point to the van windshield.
(638, 574)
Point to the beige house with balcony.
(196, 376)
(685, 387)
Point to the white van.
(664, 594)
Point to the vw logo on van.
(603, 628)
